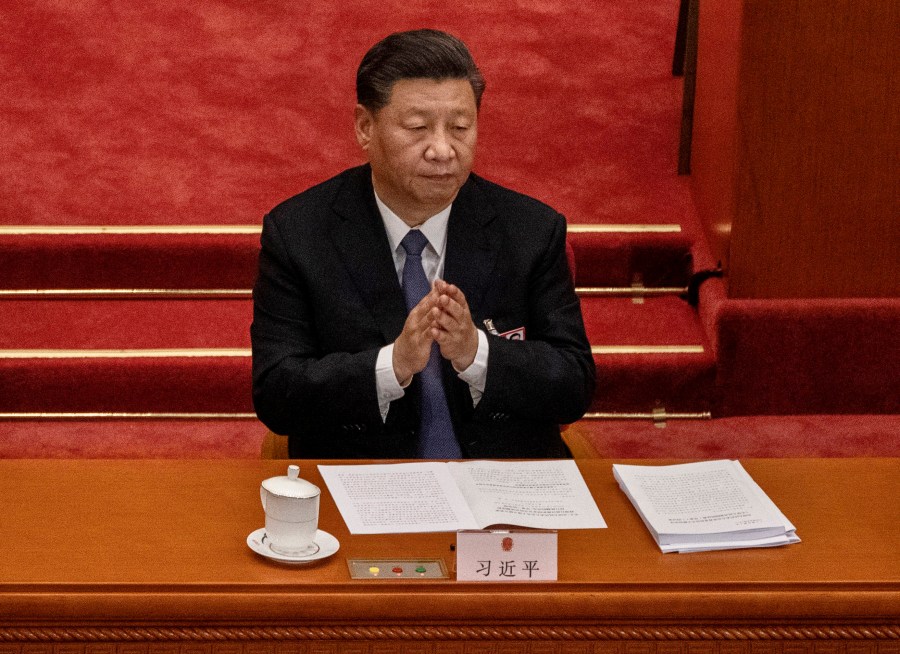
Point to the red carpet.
(125, 324)
(106, 261)
(131, 439)
(652, 260)
(161, 113)
(147, 384)
(745, 437)
(77, 379)
(228, 261)
(116, 113)
(749, 437)
(624, 322)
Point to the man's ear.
(362, 121)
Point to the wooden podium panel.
(795, 153)
(150, 557)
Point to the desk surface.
(165, 541)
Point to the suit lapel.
(359, 237)
(473, 244)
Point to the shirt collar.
(434, 228)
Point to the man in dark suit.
(409, 308)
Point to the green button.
(420, 569)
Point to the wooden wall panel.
(714, 139)
(815, 159)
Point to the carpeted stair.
(763, 436)
(651, 356)
(167, 351)
(143, 143)
(125, 356)
(223, 257)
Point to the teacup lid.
(291, 485)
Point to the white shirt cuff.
(476, 374)
(389, 389)
(386, 384)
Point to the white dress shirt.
(435, 230)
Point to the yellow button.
(374, 570)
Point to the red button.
(398, 570)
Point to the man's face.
(421, 145)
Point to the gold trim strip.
(44, 293)
(34, 293)
(124, 354)
(127, 416)
(61, 230)
(656, 417)
(245, 352)
(586, 228)
(595, 291)
(704, 415)
(69, 230)
(118, 293)
(647, 349)
(246, 293)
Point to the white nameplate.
(506, 556)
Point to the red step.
(132, 438)
(651, 355)
(125, 324)
(738, 437)
(187, 257)
(194, 355)
(166, 356)
(97, 258)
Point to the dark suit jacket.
(327, 299)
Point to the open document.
(436, 496)
(710, 505)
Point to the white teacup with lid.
(292, 513)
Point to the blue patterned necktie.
(437, 440)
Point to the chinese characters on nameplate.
(506, 556)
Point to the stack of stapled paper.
(710, 505)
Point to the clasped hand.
(441, 317)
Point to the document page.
(679, 502)
(541, 494)
(788, 538)
(398, 498)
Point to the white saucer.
(328, 545)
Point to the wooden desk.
(149, 557)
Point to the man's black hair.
(423, 54)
